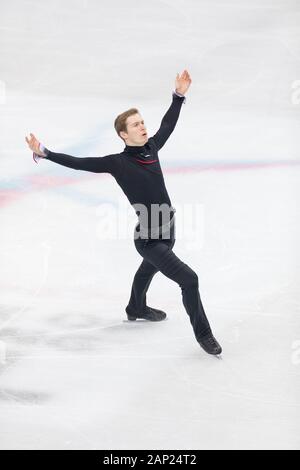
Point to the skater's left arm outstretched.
(168, 123)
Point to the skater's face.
(136, 131)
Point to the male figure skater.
(137, 170)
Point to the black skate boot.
(209, 343)
(151, 314)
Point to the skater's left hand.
(182, 83)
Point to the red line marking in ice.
(40, 182)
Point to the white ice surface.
(74, 373)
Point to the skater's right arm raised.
(106, 164)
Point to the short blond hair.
(120, 121)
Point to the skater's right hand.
(34, 145)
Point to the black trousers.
(157, 256)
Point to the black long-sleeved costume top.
(137, 169)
